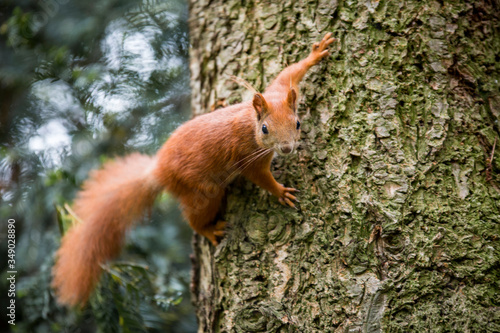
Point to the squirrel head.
(278, 126)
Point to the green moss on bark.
(397, 229)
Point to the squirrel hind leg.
(201, 216)
(220, 228)
(215, 232)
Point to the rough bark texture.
(398, 224)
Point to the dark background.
(82, 82)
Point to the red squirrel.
(195, 165)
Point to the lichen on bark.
(398, 222)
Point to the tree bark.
(398, 222)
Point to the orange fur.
(111, 200)
(196, 164)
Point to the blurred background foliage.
(82, 82)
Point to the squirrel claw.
(216, 231)
(219, 229)
(286, 197)
(290, 203)
(290, 196)
(320, 49)
(286, 202)
(219, 233)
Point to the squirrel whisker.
(255, 156)
(243, 82)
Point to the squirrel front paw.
(285, 198)
(319, 50)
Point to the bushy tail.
(111, 200)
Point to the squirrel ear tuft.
(260, 105)
(291, 99)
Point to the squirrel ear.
(260, 105)
(291, 98)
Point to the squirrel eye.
(264, 129)
(298, 124)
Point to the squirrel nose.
(286, 149)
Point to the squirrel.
(195, 165)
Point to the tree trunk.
(398, 222)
